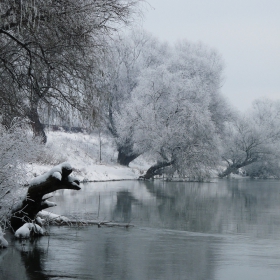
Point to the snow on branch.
(55, 179)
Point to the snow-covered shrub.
(16, 150)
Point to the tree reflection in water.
(122, 211)
(33, 260)
(24, 259)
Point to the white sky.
(245, 32)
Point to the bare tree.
(50, 52)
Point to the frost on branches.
(130, 55)
(17, 148)
(51, 53)
(252, 141)
(166, 102)
(3, 241)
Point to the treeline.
(166, 102)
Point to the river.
(222, 230)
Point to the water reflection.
(123, 208)
(228, 229)
(33, 260)
(23, 260)
(148, 254)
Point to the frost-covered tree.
(50, 53)
(177, 113)
(253, 138)
(130, 55)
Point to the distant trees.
(254, 138)
(50, 52)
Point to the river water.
(223, 230)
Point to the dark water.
(229, 229)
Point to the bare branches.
(52, 49)
(17, 148)
(253, 138)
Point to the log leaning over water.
(57, 178)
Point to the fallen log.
(49, 218)
(56, 179)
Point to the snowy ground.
(82, 151)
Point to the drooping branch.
(57, 178)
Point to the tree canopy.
(166, 100)
(50, 53)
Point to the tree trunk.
(57, 178)
(124, 159)
(37, 126)
(235, 166)
(156, 169)
(126, 155)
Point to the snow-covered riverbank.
(90, 160)
(93, 158)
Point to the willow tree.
(176, 112)
(50, 53)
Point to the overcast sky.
(245, 32)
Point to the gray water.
(228, 229)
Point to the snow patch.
(55, 172)
(28, 228)
(57, 175)
(52, 217)
(48, 203)
(40, 221)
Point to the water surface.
(229, 229)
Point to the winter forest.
(88, 66)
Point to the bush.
(17, 148)
(263, 170)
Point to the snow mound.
(27, 229)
